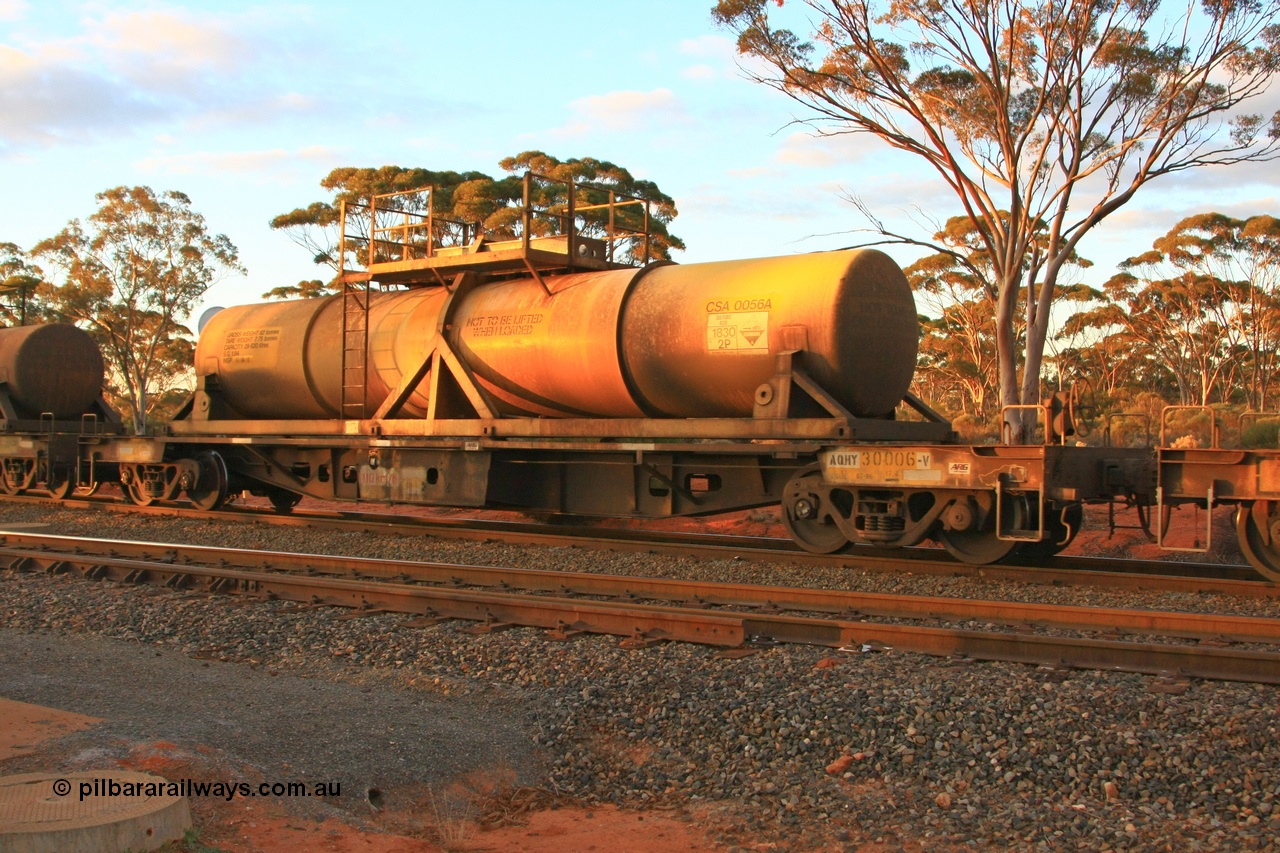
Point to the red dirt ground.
(425, 826)
(271, 830)
(24, 727)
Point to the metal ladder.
(355, 350)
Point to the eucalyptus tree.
(1186, 322)
(20, 281)
(128, 275)
(958, 286)
(1243, 255)
(1029, 111)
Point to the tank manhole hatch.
(46, 812)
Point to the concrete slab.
(99, 810)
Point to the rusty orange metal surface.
(548, 353)
(53, 368)
(675, 341)
(698, 340)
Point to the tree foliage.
(1054, 111)
(473, 198)
(129, 272)
(306, 289)
(1202, 307)
(20, 282)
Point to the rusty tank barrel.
(52, 369)
(699, 339)
(669, 340)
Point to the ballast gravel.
(799, 746)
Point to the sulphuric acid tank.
(679, 341)
(52, 369)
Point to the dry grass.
(452, 819)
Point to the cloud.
(122, 71)
(1213, 180)
(1137, 224)
(718, 55)
(43, 100)
(623, 111)
(808, 204)
(914, 201)
(13, 10)
(270, 161)
(261, 110)
(699, 73)
(754, 172)
(1251, 207)
(812, 151)
(164, 49)
(710, 47)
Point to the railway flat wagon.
(560, 371)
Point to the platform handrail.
(1250, 417)
(614, 230)
(404, 226)
(1114, 416)
(1215, 438)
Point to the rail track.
(645, 611)
(1202, 578)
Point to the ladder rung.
(355, 345)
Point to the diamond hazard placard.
(740, 331)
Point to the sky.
(245, 106)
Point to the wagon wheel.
(87, 491)
(58, 482)
(1063, 523)
(806, 513)
(1258, 528)
(10, 482)
(135, 492)
(210, 490)
(982, 546)
(283, 500)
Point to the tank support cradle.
(440, 355)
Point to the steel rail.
(644, 623)
(1196, 625)
(1199, 578)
